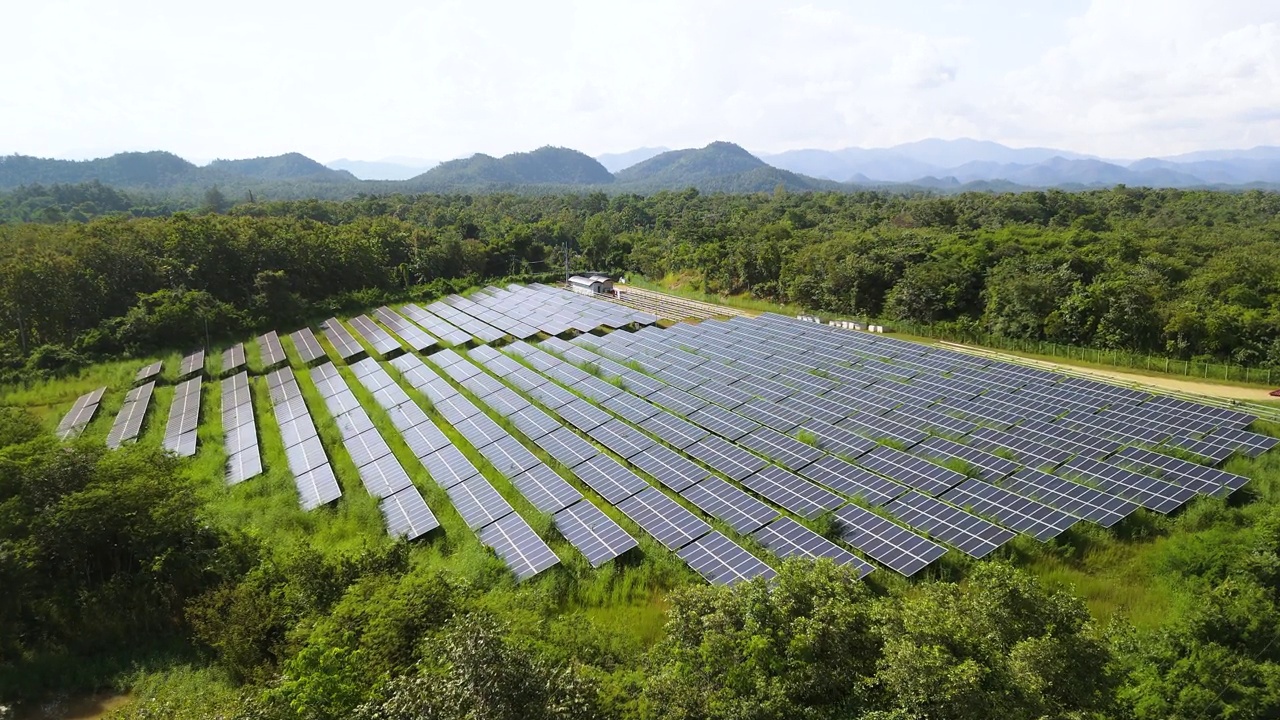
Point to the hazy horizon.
(1112, 78)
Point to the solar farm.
(729, 443)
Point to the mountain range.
(940, 165)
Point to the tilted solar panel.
(723, 562)
(518, 546)
(593, 533)
(787, 538)
(892, 545)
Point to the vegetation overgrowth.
(136, 571)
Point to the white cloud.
(445, 78)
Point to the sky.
(439, 80)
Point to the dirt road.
(1226, 392)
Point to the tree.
(214, 200)
(799, 647)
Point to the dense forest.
(1183, 273)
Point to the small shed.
(592, 285)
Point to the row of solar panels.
(184, 418)
(128, 423)
(240, 430)
(81, 412)
(312, 474)
(404, 511)
(779, 417)
(670, 468)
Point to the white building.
(593, 285)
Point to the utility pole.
(566, 261)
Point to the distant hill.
(132, 169)
(718, 167)
(613, 162)
(385, 169)
(544, 166)
(290, 166)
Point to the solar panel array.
(312, 474)
(240, 430)
(382, 342)
(436, 325)
(191, 363)
(954, 414)
(308, 347)
(233, 358)
(184, 418)
(340, 338)
(414, 336)
(81, 412)
(128, 422)
(270, 349)
(148, 372)
(483, 508)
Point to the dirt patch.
(1226, 392)
(90, 707)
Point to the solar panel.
(722, 395)
(308, 347)
(1200, 478)
(483, 385)
(506, 402)
(621, 438)
(317, 487)
(424, 439)
(508, 456)
(306, 455)
(721, 500)
(243, 465)
(81, 412)
(1013, 511)
(673, 430)
(787, 538)
(533, 422)
(910, 470)
(191, 363)
(233, 358)
(893, 546)
(723, 562)
(297, 430)
(479, 430)
(567, 447)
(410, 333)
(391, 396)
(148, 372)
(1147, 491)
(768, 413)
(989, 467)
(544, 489)
(669, 467)
(723, 422)
(677, 401)
(456, 408)
(663, 518)
(969, 533)
(406, 514)
(478, 502)
(353, 423)
(791, 492)
(787, 451)
(613, 482)
(583, 415)
(343, 343)
(551, 395)
(1079, 500)
(448, 466)
(406, 415)
(595, 534)
(128, 422)
(725, 457)
(518, 546)
(184, 416)
(597, 389)
(270, 349)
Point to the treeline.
(1190, 274)
(107, 554)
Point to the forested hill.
(163, 170)
(544, 166)
(718, 167)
